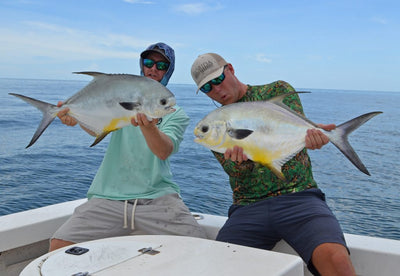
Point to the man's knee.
(332, 259)
(57, 243)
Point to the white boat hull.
(24, 237)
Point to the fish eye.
(163, 101)
(204, 129)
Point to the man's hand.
(158, 142)
(236, 154)
(142, 121)
(64, 117)
(315, 139)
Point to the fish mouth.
(171, 103)
(197, 133)
(170, 109)
(199, 136)
(162, 112)
(198, 140)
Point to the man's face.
(153, 72)
(227, 91)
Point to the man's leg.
(95, 219)
(57, 243)
(332, 259)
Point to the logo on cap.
(203, 67)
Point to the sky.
(325, 44)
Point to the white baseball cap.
(207, 67)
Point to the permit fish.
(108, 103)
(270, 132)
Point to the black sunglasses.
(160, 65)
(218, 80)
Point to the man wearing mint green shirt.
(133, 191)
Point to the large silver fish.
(108, 103)
(270, 132)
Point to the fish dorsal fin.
(278, 100)
(239, 133)
(92, 73)
(99, 138)
(130, 105)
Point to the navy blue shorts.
(302, 219)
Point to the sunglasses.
(160, 65)
(218, 80)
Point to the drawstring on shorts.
(126, 215)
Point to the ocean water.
(60, 165)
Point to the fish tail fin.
(48, 110)
(339, 137)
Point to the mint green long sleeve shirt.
(130, 170)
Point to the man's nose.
(217, 88)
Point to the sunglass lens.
(218, 80)
(206, 88)
(148, 63)
(162, 65)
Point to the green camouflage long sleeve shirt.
(252, 182)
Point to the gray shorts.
(102, 218)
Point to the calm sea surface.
(60, 165)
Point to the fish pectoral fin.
(130, 105)
(99, 138)
(239, 133)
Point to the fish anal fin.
(278, 173)
(273, 162)
(99, 138)
(267, 160)
(275, 169)
(239, 133)
(130, 105)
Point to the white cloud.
(197, 8)
(38, 39)
(263, 58)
